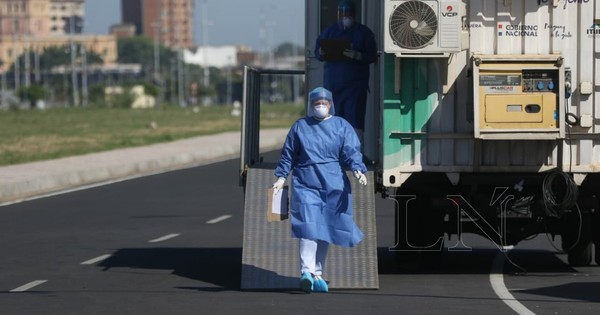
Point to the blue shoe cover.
(320, 285)
(306, 282)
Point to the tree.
(32, 94)
(57, 56)
(140, 49)
(288, 49)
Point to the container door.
(314, 68)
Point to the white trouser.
(312, 256)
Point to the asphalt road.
(171, 244)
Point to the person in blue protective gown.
(348, 79)
(318, 148)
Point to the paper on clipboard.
(277, 205)
(334, 49)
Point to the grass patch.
(34, 135)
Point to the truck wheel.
(581, 256)
(577, 239)
(597, 250)
(403, 253)
(418, 227)
(596, 239)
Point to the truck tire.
(596, 237)
(581, 256)
(403, 231)
(577, 238)
(418, 227)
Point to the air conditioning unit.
(428, 28)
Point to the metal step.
(270, 254)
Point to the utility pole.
(205, 44)
(17, 71)
(84, 78)
(173, 74)
(156, 27)
(74, 84)
(17, 43)
(27, 66)
(179, 67)
(229, 81)
(157, 76)
(180, 90)
(27, 60)
(36, 62)
(3, 87)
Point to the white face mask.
(321, 111)
(347, 22)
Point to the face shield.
(314, 97)
(346, 13)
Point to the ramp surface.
(270, 257)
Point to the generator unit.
(519, 97)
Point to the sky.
(231, 22)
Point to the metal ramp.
(270, 254)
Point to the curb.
(23, 181)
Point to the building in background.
(65, 14)
(10, 47)
(24, 18)
(41, 17)
(169, 21)
(33, 25)
(123, 30)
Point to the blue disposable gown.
(348, 80)
(321, 197)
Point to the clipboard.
(334, 49)
(277, 205)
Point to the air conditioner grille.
(413, 25)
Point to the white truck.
(482, 118)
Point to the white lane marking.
(112, 181)
(95, 260)
(497, 281)
(164, 238)
(28, 286)
(219, 219)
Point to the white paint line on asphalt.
(219, 219)
(95, 260)
(497, 281)
(28, 286)
(75, 189)
(196, 163)
(164, 238)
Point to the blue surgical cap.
(319, 94)
(346, 6)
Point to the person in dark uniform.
(348, 79)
